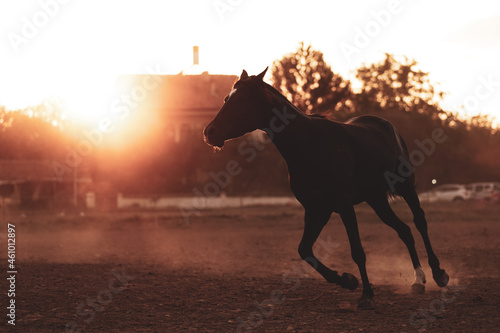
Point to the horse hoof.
(366, 303)
(417, 288)
(441, 278)
(349, 281)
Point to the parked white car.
(484, 191)
(448, 192)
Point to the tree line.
(397, 90)
(394, 88)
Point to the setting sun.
(88, 97)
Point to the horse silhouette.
(332, 167)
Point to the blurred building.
(182, 104)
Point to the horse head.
(244, 111)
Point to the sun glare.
(92, 104)
(87, 99)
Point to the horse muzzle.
(212, 138)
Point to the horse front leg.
(315, 220)
(358, 255)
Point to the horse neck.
(288, 129)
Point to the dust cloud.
(251, 242)
(216, 243)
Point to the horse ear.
(261, 75)
(244, 75)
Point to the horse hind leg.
(384, 211)
(410, 196)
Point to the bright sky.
(74, 49)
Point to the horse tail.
(402, 156)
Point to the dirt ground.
(238, 270)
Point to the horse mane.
(275, 93)
(280, 96)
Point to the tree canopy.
(32, 133)
(396, 89)
(309, 82)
